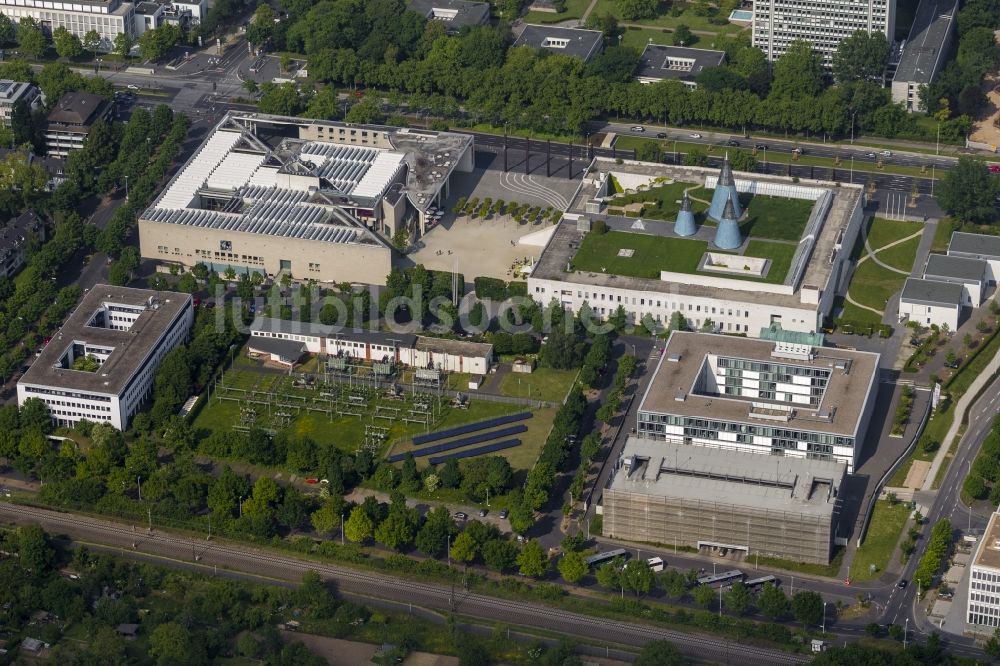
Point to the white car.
(886, 153)
(132, 86)
(695, 135)
(638, 128)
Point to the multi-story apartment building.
(70, 121)
(984, 578)
(12, 92)
(823, 23)
(100, 365)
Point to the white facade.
(109, 19)
(983, 606)
(777, 23)
(926, 314)
(127, 358)
(12, 92)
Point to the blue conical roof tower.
(725, 190)
(727, 235)
(685, 226)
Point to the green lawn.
(776, 218)
(663, 19)
(901, 256)
(873, 285)
(883, 534)
(638, 38)
(544, 384)
(574, 10)
(652, 254)
(855, 314)
(662, 202)
(882, 232)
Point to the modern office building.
(930, 302)
(732, 295)
(12, 92)
(734, 502)
(663, 63)
(784, 398)
(71, 119)
(824, 23)
(109, 18)
(970, 273)
(984, 578)
(454, 14)
(25, 231)
(314, 199)
(101, 364)
(575, 42)
(978, 246)
(925, 50)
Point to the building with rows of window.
(100, 365)
(984, 578)
(109, 18)
(777, 23)
(784, 397)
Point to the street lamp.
(824, 617)
(126, 187)
(905, 628)
(852, 126)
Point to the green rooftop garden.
(599, 253)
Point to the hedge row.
(934, 554)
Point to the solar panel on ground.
(465, 441)
(470, 427)
(478, 451)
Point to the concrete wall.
(667, 520)
(324, 262)
(926, 315)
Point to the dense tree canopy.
(968, 191)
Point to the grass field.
(544, 384)
(775, 218)
(574, 10)
(883, 535)
(882, 232)
(874, 285)
(662, 202)
(652, 254)
(663, 19)
(638, 38)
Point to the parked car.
(638, 128)
(504, 513)
(132, 86)
(483, 512)
(995, 168)
(461, 515)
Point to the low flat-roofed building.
(314, 199)
(26, 230)
(931, 302)
(12, 92)
(70, 121)
(978, 246)
(454, 14)
(661, 63)
(671, 493)
(760, 396)
(101, 364)
(983, 606)
(575, 42)
(282, 352)
(924, 51)
(450, 355)
(970, 273)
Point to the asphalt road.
(173, 549)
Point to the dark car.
(461, 515)
(661, 135)
(733, 143)
(483, 512)
(952, 364)
(761, 146)
(902, 583)
(503, 513)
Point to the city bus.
(758, 583)
(606, 556)
(723, 578)
(655, 563)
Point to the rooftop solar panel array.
(344, 166)
(198, 169)
(478, 451)
(471, 427)
(458, 443)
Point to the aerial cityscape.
(466, 332)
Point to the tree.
(155, 44)
(738, 599)
(532, 560)
(500, 554)
(366, 112)
(992, 647)
(609, 573)
(773, 602)
(358, 527)
(682, 36)
(637, 577)
(704, 596)
(659, 653)
(30, 37)
(67, 44)
(648, 151)
(862, 56)
(122, 44)
(7, 32)
(631, 10)
(798, 73)
(172, 643)
(807, 607)
(463, 548)
(396, 531)
(432, 539)
(261, 25)
(92, 42)
(968, 191)
(742, 160)
(674, 583)
(33, 549)
(572, 566)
